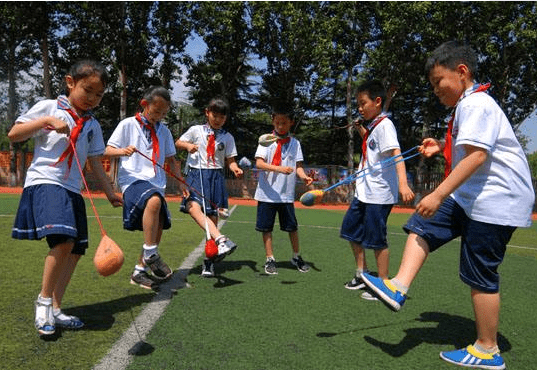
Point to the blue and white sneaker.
(67, 321)
(385, 290)
(470, 357)
(44, 317)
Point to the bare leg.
(414, 256)
(267, 241)
(197, 214)
(383, 259)
(55, 264)
(359, 256)
(293, 237)
(64, 279)
(487, 317)
(152, 221)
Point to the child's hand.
(238, 172)
(115, 200)
(430, 147)
(58, 125)
(308, 180)
(287, 170)
(407, 195)
(428, 206)
(128, 151)
(193, 148)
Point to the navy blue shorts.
(266, 215)
(214, 190)
(482, 245)
(53, 212)
(134, 200)
(365, 224)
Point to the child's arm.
(430, 147)
(22, 131)
(302, 174)
(472, 160)
(104, 181)
(406, 193)
(185, 145)
(233, 166)
(113, 152)
(263, 165)
(176, 170)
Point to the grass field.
(244, 319)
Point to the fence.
(422, 184)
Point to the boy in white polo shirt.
(364, 224)
(486, 195)
(280, 163)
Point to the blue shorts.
(365, 224)
(266, 215)
(53, 212)
(134, 200)
(214, 190)
(482, 245)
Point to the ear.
(70, 82)
(144, 103)
(464, 70)
(378, 101)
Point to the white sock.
(149, 250)
(481, 349)
(295, 255)
(219, 239)
(400, 287)
(138, 269)
(270, 258)
(44, 301)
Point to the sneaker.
(67, 321)
(299, 263)
(270, 267)
(369, 296)
(470, 357)
(208, 268)
(158, 267)
(225, 248)
(144, 280)
(385, 291)
(355, 284)
(44, 317)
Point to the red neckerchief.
(154, 139)
(277, 158)
(211, 140)
(75, 132)
(370, 128)
(449, 137)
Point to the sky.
(196, 48)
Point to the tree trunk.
(350, 128)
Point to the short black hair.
(218, 105)
(450, 54)
(85, 68)
(153, 91)
(373, 88)
(283, 108)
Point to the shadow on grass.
(451, 330)
(224, 266)
(100, 316)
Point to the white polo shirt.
(49, 146)
(224, 147)
(500, 191)
(380, 185)
(136, 167)
(275, 187)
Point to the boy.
(364, 224)
(485, 197)
(280, 163)
(210, 148)
(143, 183)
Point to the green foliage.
(532, 160)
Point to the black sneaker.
(144, 280)
(158, 267)
(299, 263)
(208, 268)
(270, 267)
(355, 284)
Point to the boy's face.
(449, 84)
(216, 120)
(367, 107)
(86, 93)
(156, 110)
(282, 124)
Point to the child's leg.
(487, 317)
(414, 255)
(293, 237)
(64, 279)
(152, 221)
(359, 256)
(383, 259)
(267, 241)
(55, 264)
(195, 211)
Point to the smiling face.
(282, 124)
(449, 84)
(368, 107)
(155, 110)
(86, 93)
(216, 120)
